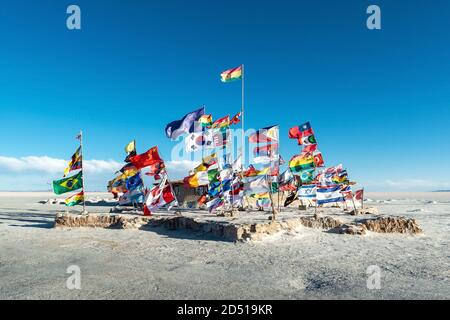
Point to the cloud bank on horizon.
(35, 173)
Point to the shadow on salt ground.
(32, 220)
(185, 234)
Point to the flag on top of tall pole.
(229, 76)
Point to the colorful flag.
(267, 134)
(299, 163)
(295, 133)
(198, 140)
(256, 185)
(205, 120)
(307, 176)
(197, 179)
(231, 74)
(286, 177)
(341, 177)
(329, 194)
(134, 182)
(75, 199)
(214, 204)
(346, 191)
(307, 140)
(236, 119)
(75, 163)
(307, 192)
(159, 196)
(251, 171)
(309, 148)
(221, 123)
(131, 147)
(359, 194)
(263, 200)
(146, 159)
(318, 160)
(269, 150)
(155, 169)
(68, 184)
(185, 125)
(221, 136)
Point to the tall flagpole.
(243, 115)
(82, 168)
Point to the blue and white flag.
(307, 192)
(329, 195)
(185, 125)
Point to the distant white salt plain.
(164, 264)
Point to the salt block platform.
(245, 225)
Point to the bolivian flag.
(68, 184)
(231, 74)
(205, 120)
(75, 199)
(75, 163)
(301, 162)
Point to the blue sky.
(378, 100)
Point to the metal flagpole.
(243, 116)
(82, 169)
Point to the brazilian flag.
(68, 184)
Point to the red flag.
(235, 119)
(202, 200)
(250, 172)
(146, 159)
(309, 148)
(155, 169)
(359, 194)
(318, 160)
(295, 133)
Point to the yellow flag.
(130, 147)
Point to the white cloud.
(44, 164)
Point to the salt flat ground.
(162, 264)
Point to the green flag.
(68, 184)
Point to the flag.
(75, 163)
(256, 185)
(159, 196)
(221, 136)
(185, 125)
(295, 133)
(359, 194)
(202, 200)
(346, 191)
(340, 177)
(155, 169)
(267, 134)
(301, 162)
(307, 176)
(290, 198)
(235, 119)
(286, 177)
(318, 160)
(269, 150)
(329, 194)
(309, 148)
(197, 179)
(214, 204)
(231, 74)
(75, 199)
(131, 147)
(307, 140)
(263, 200)
(68, 184)
(197, 140)
(221, 123)
(134, 182)
(128, 166)
(205, 120)
(213, 174)
(146, 159)
(79, 136)
(307, 192)
(251, 171)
